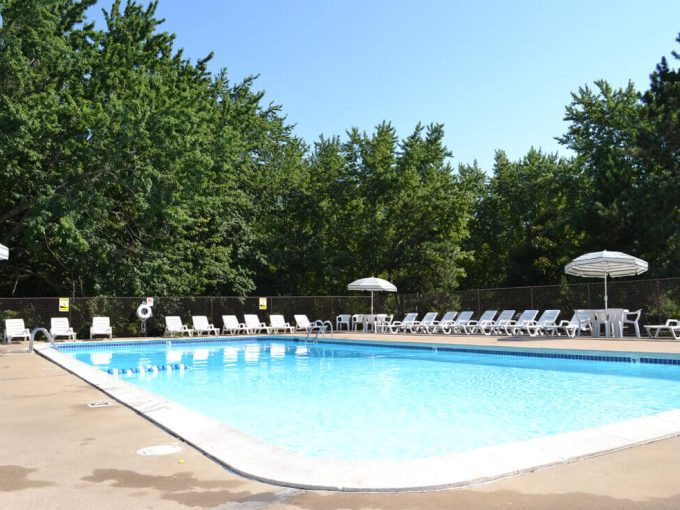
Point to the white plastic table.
(612, 318)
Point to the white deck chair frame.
(475, 325)
(439, 325)
(526, 317)
(231, 325)
(456, 327)
(278, 323)
(425, 324)
(254, 324)
(671, 325)
(544, 325)
(59, 327)
(175, 326)
(493, 326)
(15, 328)
(404, 324)
(101, 326)
(202, 326)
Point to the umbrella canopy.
(4, 252)
(606, 263)
(372, 284)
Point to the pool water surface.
(361, 402)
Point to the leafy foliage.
(127, 169)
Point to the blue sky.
(496, 73)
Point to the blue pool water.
(345, 401)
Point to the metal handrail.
(44, 332)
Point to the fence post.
(479, 300)
(531, 297)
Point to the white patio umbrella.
(372, 284)
(601, 264)
(4, 252)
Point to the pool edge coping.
(260, 461)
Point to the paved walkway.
(58, 453)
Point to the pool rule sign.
(63, 304)
(263, 303)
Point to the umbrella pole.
(605, 291)
(371, 302)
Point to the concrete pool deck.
(59, 453)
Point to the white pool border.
(258, 460)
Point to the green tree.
(127, 169)
(522, 231)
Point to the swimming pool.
(354, 401)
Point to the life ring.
(144, 311)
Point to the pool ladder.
(35, 332)
(320, 328)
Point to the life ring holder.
(144, 311)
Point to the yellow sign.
(263, 303)
(63, 304)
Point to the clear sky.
(496, 73)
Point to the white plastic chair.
(101, 326)
(633, 319)
(174, 326)
(447, 319)
(302, 324)
(425, 324)
(278, 323)
(495, 325)
(544, 324)
(231, 325)
(671, 325)
(342, 321)
(357, 319)
(15, 328)
(458, 325)
(254, 324)
(403, 325)
(202, 326)
(471, 326)
(59, 326)
(579, 323)
(514, 327)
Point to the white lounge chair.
(174, 326)
(579, 323)
(59, 326)
(446, 320)
(403, 325)
(101, 326)
(471, 326)
(302, 324)
(357, 320)
(495, 325)
(544, 325)
(231, 325)
(425, 324)
(342, 321)
(254, 324)
(202, 326)
(278, 323)
(15, 328)
(525, 318)
(457, 325)
(671, 325)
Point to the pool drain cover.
(160, 449)
(99, 404)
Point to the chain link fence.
(659, 300)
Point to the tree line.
(128, 169)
